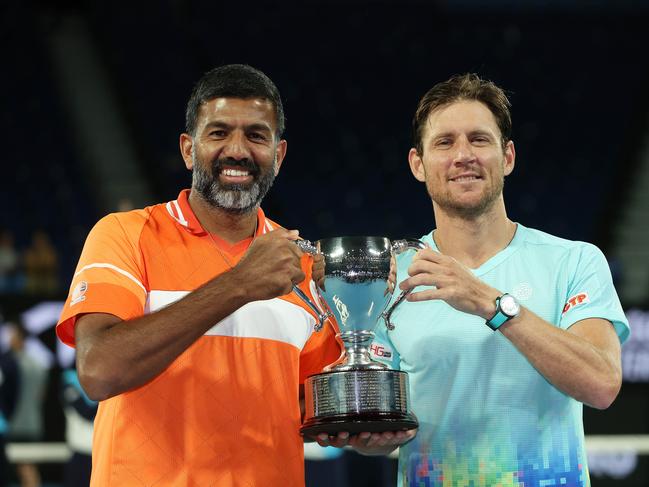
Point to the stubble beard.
(235, 199)
(468, 210)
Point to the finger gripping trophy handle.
(307, 247)
(399, 246)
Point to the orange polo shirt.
(226, 411)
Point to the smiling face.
(235, 154)
(463, 162)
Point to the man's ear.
(416, 165)
(510, 158)
(186, 146)
(280, 154)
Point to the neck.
(473, 240)
(230, 227)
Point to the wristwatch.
(507, 307)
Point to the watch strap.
(499, 318)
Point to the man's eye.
(257, 136)
(217, 133)
(443, 142)
(480, 140)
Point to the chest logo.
(522, 291)
(576, 300)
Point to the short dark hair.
(233, 81)
(467, 86)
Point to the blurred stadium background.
(93, 98)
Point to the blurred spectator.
(26, 424)
(9, 260)
(9, 387)
(41, 265)
(79, 414)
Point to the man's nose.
(236, 147)
(463, 151)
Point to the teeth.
(235, 172)
(466, 178)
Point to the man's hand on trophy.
(368, 443)
(453, 283)
(271, 266)
(318, 271)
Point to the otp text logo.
(576, 300)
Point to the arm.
(583, 361)
(114, 356)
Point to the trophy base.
(358, 423)
(358, 400)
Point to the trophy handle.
(399, 246)
(307, 247)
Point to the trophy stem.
(357, 352)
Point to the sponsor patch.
(576, 300)
(380, 351)
(79, 293)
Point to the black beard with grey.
(233, 198)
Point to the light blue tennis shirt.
(486, 416)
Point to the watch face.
(509, 305)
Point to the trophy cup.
(356, 393)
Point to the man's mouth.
(235, 172)
(465, 178)
(229, 175)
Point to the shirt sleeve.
(109, 277)
(591, 293)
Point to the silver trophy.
(356, 393)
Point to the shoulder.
(545, 244)
(532, 237)
(128, 223)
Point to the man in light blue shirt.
(506, 331)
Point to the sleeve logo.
(380, 351)
(576, 300)
(79, 293)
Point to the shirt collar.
(182, 213)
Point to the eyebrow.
(442, 135)
(482, 132)
(251, 127)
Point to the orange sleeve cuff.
(108, 298)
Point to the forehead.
(461, 116)
(235, 111)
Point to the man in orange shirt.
(182, 314)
